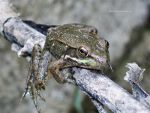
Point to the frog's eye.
(83, 51)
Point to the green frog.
(76, 45)
(71, 45)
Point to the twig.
(134, 76)
(105, 91)
(22, 36)
(6, 12)
(99, 106)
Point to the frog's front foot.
(54, 69)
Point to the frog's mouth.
(98, 63)
(102, 61)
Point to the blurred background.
(124, 23)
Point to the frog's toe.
(40, 85)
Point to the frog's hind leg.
(35, 83)
(34, 96)
(29, 77)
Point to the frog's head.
(93, 55)
(81, 46)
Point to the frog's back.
(74, 35)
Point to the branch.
(98, 86)
(6, 12)
(22, 36)
(105, 91)
(134, 77)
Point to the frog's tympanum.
(71, 45)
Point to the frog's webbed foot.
(28, 84)
(54, 69)
(35, 93)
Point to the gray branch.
(99, 106)
(134, 77)
(98, 86)
(5, 12)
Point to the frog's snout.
(102, 62)
(100, 59)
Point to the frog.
(71, 45)
(76, 45)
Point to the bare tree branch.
(6, 12)
(22, 35)
(134, 76)
(99, 106)
(98, 86)
(104, 90)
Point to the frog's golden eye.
(83, 51)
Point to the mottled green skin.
(67, 39)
